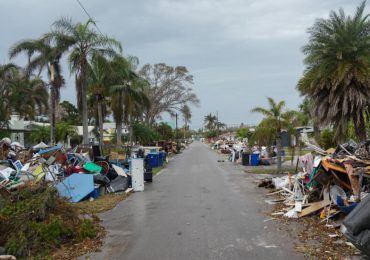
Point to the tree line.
(335, 85)
(107, 82)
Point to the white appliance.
(137, 174)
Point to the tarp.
(76, 187)
(55, 148)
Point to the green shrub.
(87, 229)
(37, 220)
(327, 139)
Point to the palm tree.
(220, 125)
(127, 94)
(305, 109)
(210, 121)
(186, 113)
(15, 85)
(98, 73)
(336, 78)
(83, 41)
(63, 130)
(7, 71)
(274, 116)
(40, 134)
(123, 97)
(45, 54)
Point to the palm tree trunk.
(130, 129)
(185, 130)
(100, 118)
(85, 127)
(278, 147)
(119, 134)
(52, 114)
(360, 128)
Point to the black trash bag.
(358, 219)
(356, 226)
(112, 174)
(361, 241)
(120, 183)
(264, 162)
(148, 175)
(101, 179)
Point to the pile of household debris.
(77, 175)
(333, 185)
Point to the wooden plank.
(273, 193)
(331, 166)
(291, 192)
(314, 207)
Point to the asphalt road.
(197, 208)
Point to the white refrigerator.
(137, 174)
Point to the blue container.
(255, 159)
(161, 158)
(153, 160)
(164, 157)
(96, 192)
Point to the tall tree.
(45, 54)
(275, 116)
(15, 85)
(127, 93)
(83, 41)
(7, 73)
(68, 113)
(336, 78)
(210, 121)
(186, 113)
(165, 131)
(98, 74)
(169, 89)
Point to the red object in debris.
(77, 169)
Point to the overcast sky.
(239, 51)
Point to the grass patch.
(157, 170)
(101, 204)
(260, 170)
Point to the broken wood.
(291, 192)
(314, 207)
(273, 193)
(277, 213)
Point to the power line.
(88, 15)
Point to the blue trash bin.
(153, 160)
(160, 158)
(164, 157)
(255, 159)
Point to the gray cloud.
(239, 51)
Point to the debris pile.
(74, 174)
(38, 184)
(333, 185)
